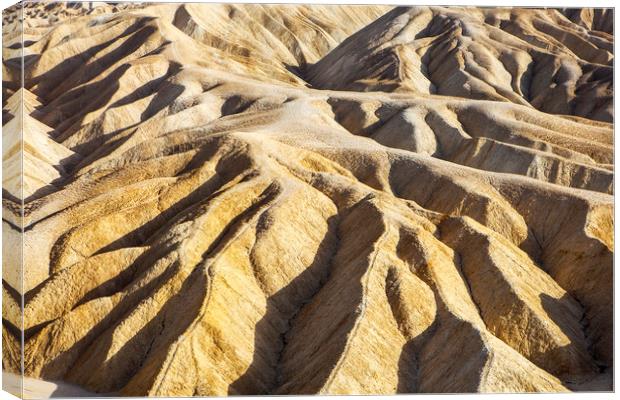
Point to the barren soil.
(288, 199)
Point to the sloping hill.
(268, 200)
(536, 58)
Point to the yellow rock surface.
(286, 199)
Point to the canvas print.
(249, 199)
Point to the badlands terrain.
(254, 199)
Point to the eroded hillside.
(253, 199)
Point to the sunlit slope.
(249, 199)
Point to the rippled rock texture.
(256, 199)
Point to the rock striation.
(285, 199)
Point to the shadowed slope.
(536, 58)
(214, 226)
